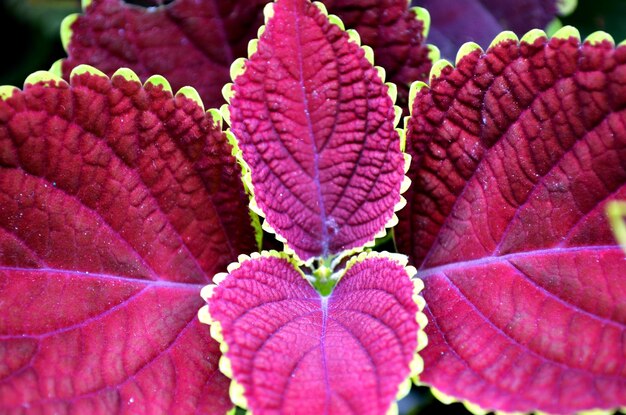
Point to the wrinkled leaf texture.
(193, 43)
(315, 124)
(516, 153)
(294, 351)
(455, 22)
(189, 42)
(395, 35)
(117, 204)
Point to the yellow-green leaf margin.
(238, 67)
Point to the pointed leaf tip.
(301, 200)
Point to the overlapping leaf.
(117, 203)
(315, 124)
(294, 351)
(455, 22)
(516, 153)
(193, 43)
(189, 42)
(396, 33)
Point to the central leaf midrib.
(316, 170)
(324, 307)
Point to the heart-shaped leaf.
(516, 153)
(189, 42)
(117, 203)
(455, 22)
(291, 350)
(315, 125)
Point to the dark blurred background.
(31, 42)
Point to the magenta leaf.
(395, 32)
(193, 43)
(315, 125)
(455, 22)
(189, 42)
(118, 203)
(291, 350)
(516, 153)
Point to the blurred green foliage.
(593, 15)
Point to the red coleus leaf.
(316, 127)
(292, 350)
(516, 153)
(113, 202)
(455, 22)
(193, 43)
(189, 42)
(395, 33)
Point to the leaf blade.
(287, 345)
(296, 125)
(507, 221)
(111, 215)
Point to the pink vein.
(316, 178)
(507, 259)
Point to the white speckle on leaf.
(332, 226)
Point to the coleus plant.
(121, 200)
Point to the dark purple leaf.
(316, 127)
(292, 350)
(193, 43)
(395, 33)
(455, 22)
(189, 42)
(516, 153)
(117, 203)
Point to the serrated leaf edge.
(478, 410)
(237, 391)
(615, 212)
(238, 67)
(529, 37)
(565, 32)
(50, 78)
